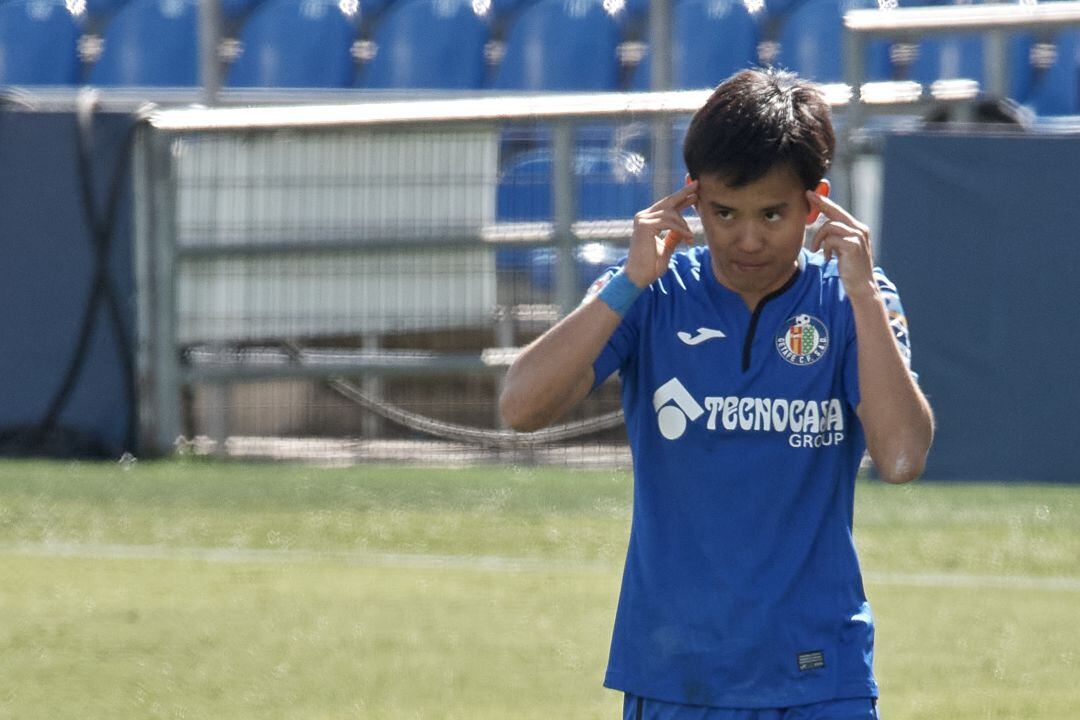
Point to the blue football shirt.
(742, 587)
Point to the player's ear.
(686, 181)
(823, 190)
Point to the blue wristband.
(620, 292)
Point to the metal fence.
(351, 281)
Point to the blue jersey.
(742, 586)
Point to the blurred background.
(263, 266)
(311, 229)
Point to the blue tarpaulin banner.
(981, 233)
(65, 370)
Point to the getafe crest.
(802, 340)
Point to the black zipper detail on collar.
(640, 708)
(748, 342)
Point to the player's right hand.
(649, 253)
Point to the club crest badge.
(802, 340)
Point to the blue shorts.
(639, 708)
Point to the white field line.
(498, 563)
(365, 558)
(965, 580)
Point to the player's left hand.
(848, 240)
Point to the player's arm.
(554, 372)
(894, 413)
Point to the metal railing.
(224, 264)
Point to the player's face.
(754, 231)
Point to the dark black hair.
(759, 119)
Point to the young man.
(754, 375)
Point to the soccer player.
(755, 373)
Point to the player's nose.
(748, 239)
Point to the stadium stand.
(150, 42)
(811, 42)
(429, 44)
(526, 45)
(711, 40)
(562, 45)
(296, 43)
(38, 43)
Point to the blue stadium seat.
(374, 8)
(103, 8)
(611, 184)
(711, 40)
(429, 44)
(1055, 87)
(150, 42)
(638, 9)
(297, 43)
(38, 43)
(507, 7)
(811, 42)
(776, 8)
(562, 45)
(234, 10)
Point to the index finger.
(680, 199)
(830, 209)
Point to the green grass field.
(194, 589)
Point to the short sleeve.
(620, 346)
(897, 319)
(897, 323)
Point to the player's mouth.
(745, 266)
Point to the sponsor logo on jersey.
(802, 340)
(671, 418)
(703, 334)
(808, 423)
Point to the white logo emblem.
(672, 418)
(703, 335)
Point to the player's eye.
(773, 216)
(724, 214)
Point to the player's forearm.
(895, 415)
(555, 371)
